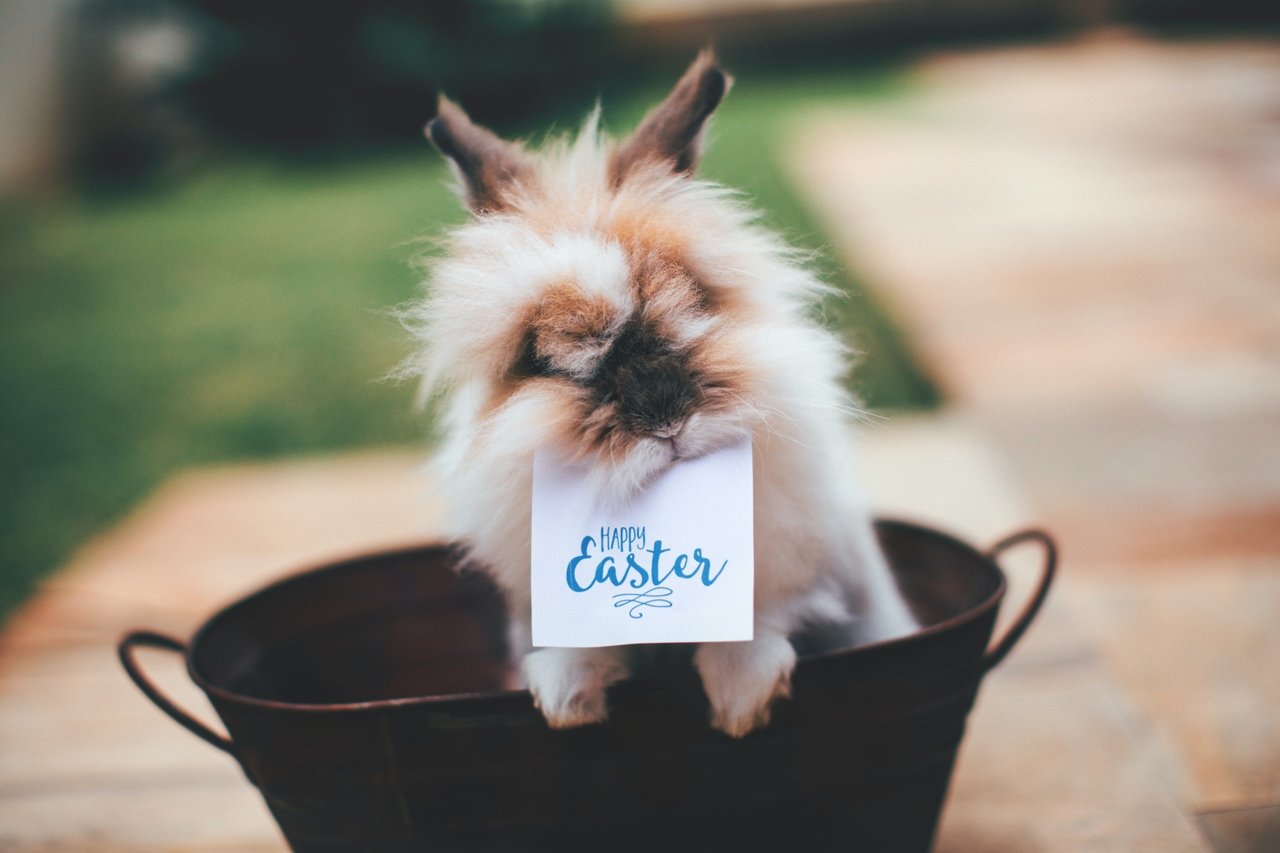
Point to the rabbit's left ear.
(489, 167)
(671, 133)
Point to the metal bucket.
(365, 700)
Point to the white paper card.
(675, 565)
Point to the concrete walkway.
(1084, 243)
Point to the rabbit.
(604, 301)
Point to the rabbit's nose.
(655, 399)
(671, 430)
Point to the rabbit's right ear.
(489, 167)
(671, 133)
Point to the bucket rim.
(976, 612)
(510, 695)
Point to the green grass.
(243, 314)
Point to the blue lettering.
(571, 571)
(642, 578)
(705, 566)
(632, 573)
(679, 565)
(606, 571)
(657, 551)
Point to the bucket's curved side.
(404, 776)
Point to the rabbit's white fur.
(566, 240)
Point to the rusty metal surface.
(366, 701)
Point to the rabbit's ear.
(489, 167)
(671, 133)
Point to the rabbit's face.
(634, 349)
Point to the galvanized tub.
(366, 701)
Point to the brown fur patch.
(569, 325)
(647, 231)
(566, 310)
(658, 277)
(718, 368)
(658, 249)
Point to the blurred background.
(208, 207)
(1055, 226)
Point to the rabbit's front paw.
(569, 685)
(742, 680)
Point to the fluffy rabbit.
(604, 301)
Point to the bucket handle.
(996, 653)
(129, 661)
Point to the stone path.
(1084, 243)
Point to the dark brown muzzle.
(365, 700)
(653, 397)
(649, 382)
